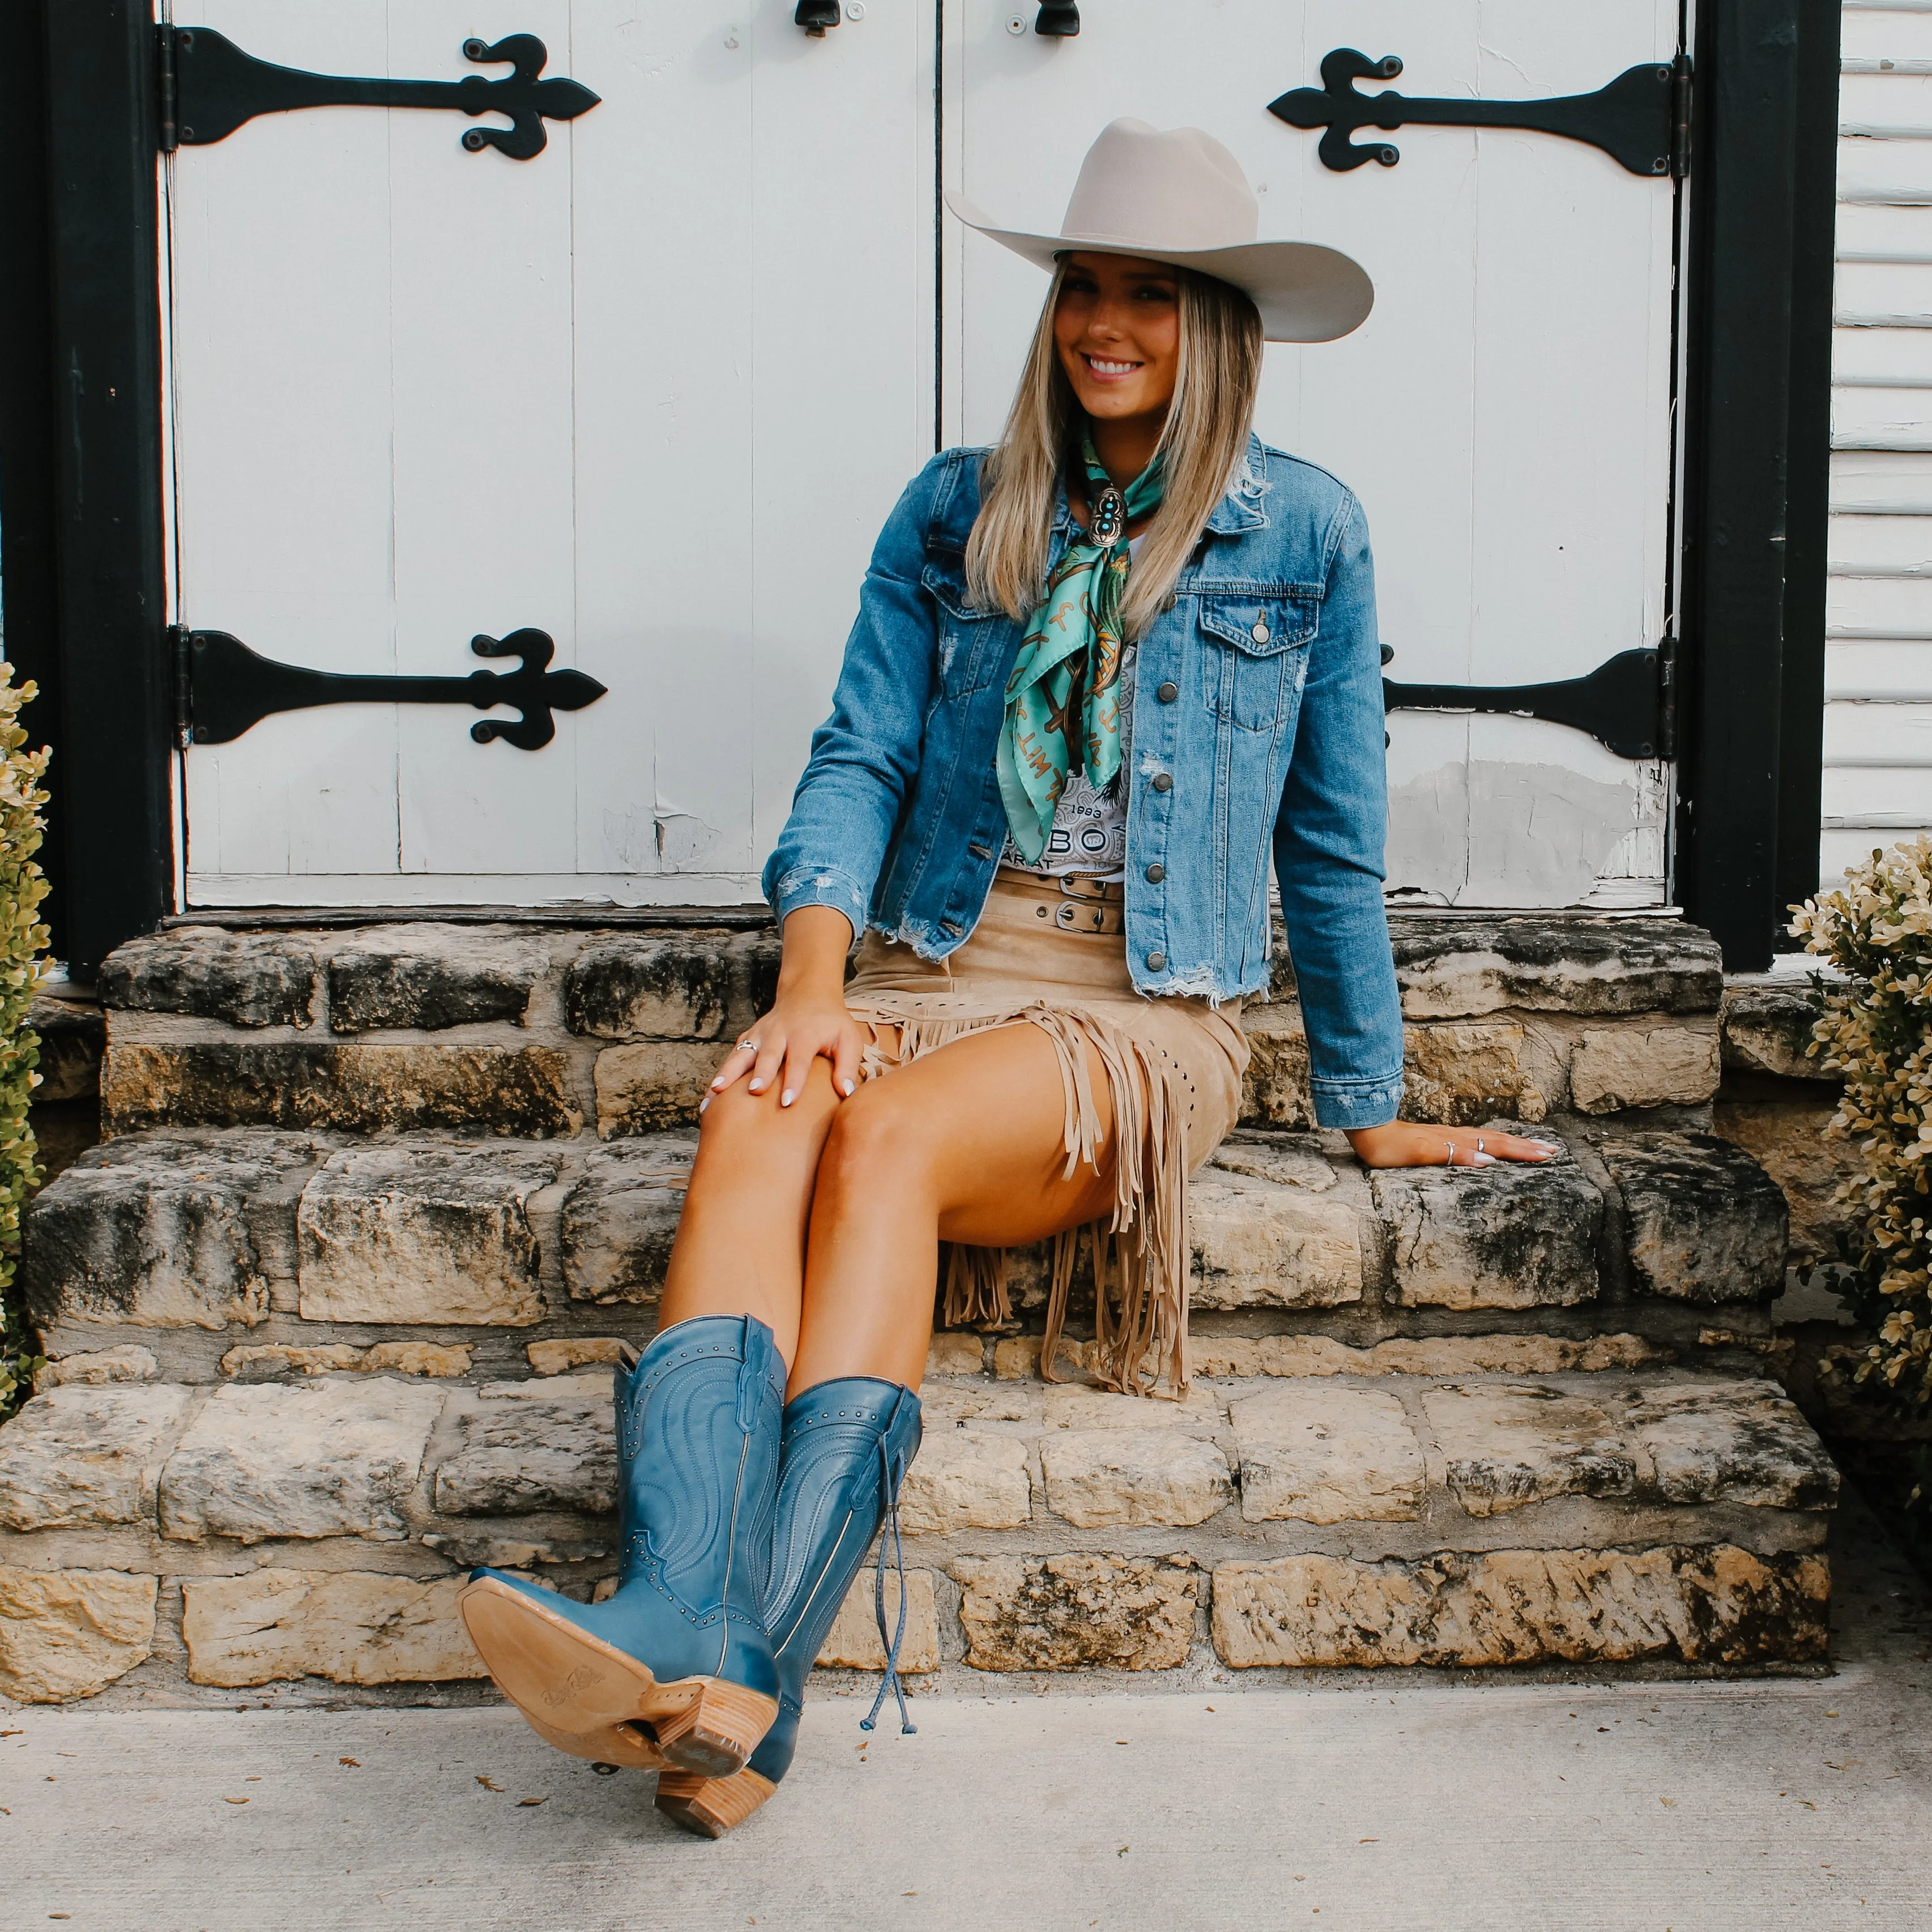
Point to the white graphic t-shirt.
(1089, 839)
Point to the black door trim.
(103, 234)
(1756, 466)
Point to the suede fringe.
(1140, 1250)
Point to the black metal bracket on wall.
(1642, 119)
(1627, 703)
(209, 87)
(222, 688)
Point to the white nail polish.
(703, 1103)
(1482, 1160)
(785, 1098)
(848, 1085)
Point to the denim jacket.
(1257, 720)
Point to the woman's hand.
(1404, 1143)
(807, 1018)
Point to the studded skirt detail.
(1053, 955)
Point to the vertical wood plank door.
(1504, 415)
(652, 391)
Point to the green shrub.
(22, 939)
(1877, 1032)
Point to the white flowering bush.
(22, 940)
(1877, 1034)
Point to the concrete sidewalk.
(1403, 1802)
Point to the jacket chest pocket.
(1255, 651)
(966, 637)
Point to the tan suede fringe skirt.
(1054, 957)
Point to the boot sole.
(708, 1807)
(629, 1746)
(564, 1680)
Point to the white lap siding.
(1878, 670)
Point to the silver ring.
(747, 1041)
(1451, 1161)
(1479, 1143)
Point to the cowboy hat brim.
(1305, 293)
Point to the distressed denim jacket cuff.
(1356, 1103)
(820, 885)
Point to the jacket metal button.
(1260, 632)
(1168, 692)
(1163, 782)
(1157, 962)
(1155, 873)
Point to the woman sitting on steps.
(1098, 672)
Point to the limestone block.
(335, 1457)
(1016, 1357)
(1071, 1405)
(1290, 1160)
(1732, 1442)
(852, 1642)
(657, 1084)
(97, 1365)
(1615, 1067)
(159, 1231)
(429, 1232)
(1325, 1454)
(687, 985)
(1077, 1612)
(1461, 969)
(86, 1454)
(1512, 1354)
(430, 975)
(1100, 1478)
(1713, 1604)
(352, 1627)
(1259, 1244)
(1790, 1138)
(1510, 1236)
(360, 1088)
(262, 1362)
(1275, 1091)
(966, 1479)
(240, 979)
(555, 1448)
(72, 1034)
(951, 1403)
(573, 1351)
(620, 1220)
(1460, 1074)
(1767, 1029)
(68, 1634)
(416, 1358)
(1507, 1444)
(1707, 1223)
(956, 1354)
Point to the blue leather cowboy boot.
(676, 1667)
(847, 1447)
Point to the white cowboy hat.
(1178, 196)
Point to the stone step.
(539, 1031)
(314, 1532)
(198, 1255)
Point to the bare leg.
(966, 1145)
(740, 1247)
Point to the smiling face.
(1118, 330)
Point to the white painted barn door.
(652, 391)
(1504, 414)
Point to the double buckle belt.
(1086, 905)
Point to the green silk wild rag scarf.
(1063, 699)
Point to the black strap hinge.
(1670, 687)
(1680, 116)
(180, 667)
(166, 91)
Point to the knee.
(874, 1140)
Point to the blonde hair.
(1203, 439)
